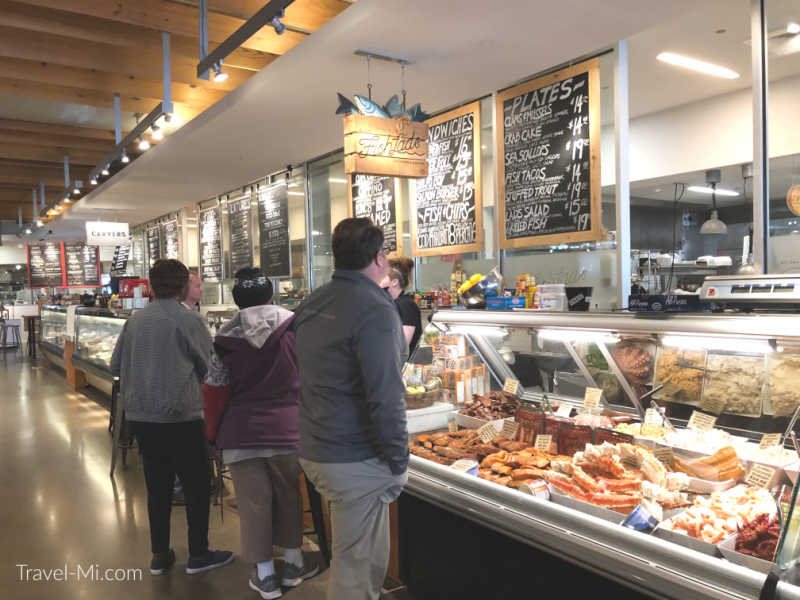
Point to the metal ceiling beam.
(273, 9)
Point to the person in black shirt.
(396, 283)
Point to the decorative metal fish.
(369, 108)
(346, 106)
(394, 107)
(415, 113)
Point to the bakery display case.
(653, 449)
(96, 333)
(53, 332)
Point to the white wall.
(711, 133)
(10, 253)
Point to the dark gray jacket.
(161, 359)
(351, 350)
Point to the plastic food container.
(428, 419)
(728, 549)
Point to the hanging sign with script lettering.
(379, 146)
(548, 164)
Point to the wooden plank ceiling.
(83, 51)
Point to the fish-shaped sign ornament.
(384, 140)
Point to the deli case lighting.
(489, 332)
(738, 344)
(571, 335)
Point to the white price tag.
(564, 410)
(511, 386)
(591, 399)
(452, 427)
(509, 430)
(701, 421)
(769, 440)
(652, 417)
(665, 455)
(487, 433)
(759, 476)
(543, 442)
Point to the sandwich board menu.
(82, 264)
(447, 213)
(45, 265)
(210, 245)
(549, 165)
(273, 228)
(376, 197)
(239, 231)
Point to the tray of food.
(681, 372)
(733, 384)
(492, 406)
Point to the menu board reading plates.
(375, 198)
(81, 262)
(549, 167)
(210, 245)
(45, 265)
(241, 245)
(273, 227)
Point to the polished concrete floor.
(58, 506)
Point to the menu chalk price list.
(239, 232)
(374, 198)
(45, 265)
(119, 264)
(447, 203)
(210, 245)
(171, 239)
(153, 245)
(273, 226)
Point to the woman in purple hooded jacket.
(251, 400)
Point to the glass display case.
(53, 329)
(96, 333)
(216, 315)
(678, 425)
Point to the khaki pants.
(270, 505)
(358, 495)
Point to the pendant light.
(713, 226)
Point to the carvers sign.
(106, 233)
(390, 147)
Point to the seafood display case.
(688, 442)
(53, 332)
(216, 315)
(96, 333)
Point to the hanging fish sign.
(384, 140)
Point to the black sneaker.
(160, 564)
(268, 588)
(294, 576)
(213, 559)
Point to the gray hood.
(256, 324)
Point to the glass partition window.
(95, 338)
(328, 188)
(54, 327)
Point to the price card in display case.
(651, 417)
(769, 440)
(665, 455)
(543, 442)
(591, 398)
(564, 410)
(452, 427)
(511, 386)
(759, 476)
(509, 430)
(701, 421)
(714, 405)
(487, 433)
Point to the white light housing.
(105, 171)
(219, 74)
(57, 207)
(157, 133)
(76, 191)
(19, 267)
(144, 144)
(28, 231)
(125, 158)
(714, 226)
(572, 335)
(697, 65)
(700, 189)
(296, 193)
(336, 180)
(737, 344)
(39, 223)
(484, 331)
(93, 181)
(793, 28)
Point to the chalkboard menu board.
(153, 245)
(239, 233)
(210, 245)
(171, 239)
(137, 255)
(82, 265)
(45, 265)
(273, 228)
(376, 198)
(549, 167)
(119, 264)
(447, 217)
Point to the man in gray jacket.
(160, 359)
(353, 436)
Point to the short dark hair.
(252, 288)
(169, 278)
(355, 243)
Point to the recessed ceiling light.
(697, 65)
(707, 190)
(793, 28)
